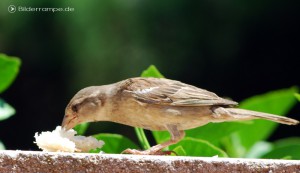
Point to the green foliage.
(2, 147)
(259, 149)
(197, 147)
(9, 68)
(297, 96)
(229, 139)
(142, 138)
(276, 102)
(151, 71)
(285, 148)
(81, 128)
(179, 151)
(6, 110)
(114, 143)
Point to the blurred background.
(236, 49)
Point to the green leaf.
(161, 136)
(115, 143)
(9, 68)
(277, 102)
(212, 132)
(6, 110)
(2, 147)
(286, 158)
(142, 138)
(81, 128)
(259, 149)
(179, 151)
(198, 147)
(297, 95)
(285, 148)
(232, 145)
(152, 71)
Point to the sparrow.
(157, 104)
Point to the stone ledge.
(36, 161)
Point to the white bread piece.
(60, 140)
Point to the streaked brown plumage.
(156, 104)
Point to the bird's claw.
(147, 152)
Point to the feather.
(239, 113)
(172, 93)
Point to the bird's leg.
(176, 136)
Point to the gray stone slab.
(36, 161)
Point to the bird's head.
(86, 106)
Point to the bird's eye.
(75, 108)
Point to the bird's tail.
(247, 114)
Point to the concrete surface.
(36, 161)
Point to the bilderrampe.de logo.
(13, 9)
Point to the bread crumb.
(60, 140)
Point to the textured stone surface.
(35, 161)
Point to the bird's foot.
(147, 152)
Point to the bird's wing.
(172, 93)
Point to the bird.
(158, 104)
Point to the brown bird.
(156, 104)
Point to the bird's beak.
(69, 122)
